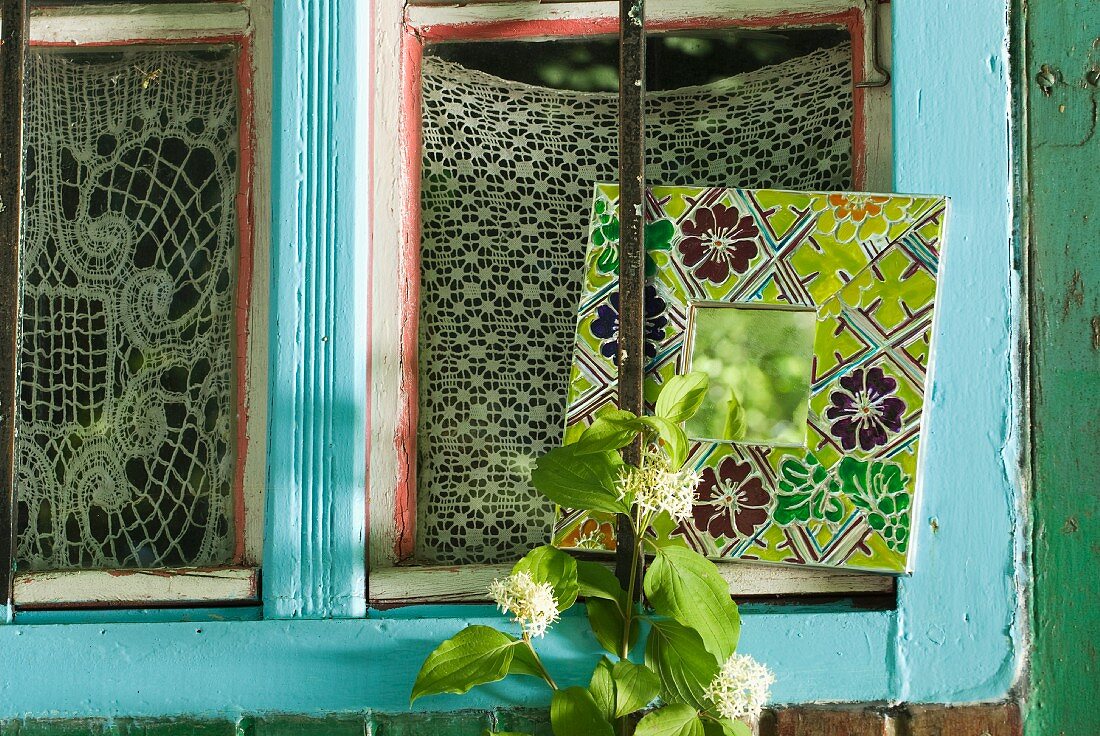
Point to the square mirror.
(759, 358)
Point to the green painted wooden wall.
(1061, 217)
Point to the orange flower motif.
(849, 217)
(591, 534)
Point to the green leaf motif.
(807, 492)
(682, 396)
(606, 235)
(879, 489)
(609, 431)
(672, 720)
(474, 656)
(548, 564)
(597, 581)
(580, 481)
(573, 712)
(683, 664)
(607, 622)
(635, 687)
(687, 587)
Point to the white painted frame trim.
(394, 193)
(141, 24)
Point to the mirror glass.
(759, 360)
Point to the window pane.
(509, 163)
(125, 449)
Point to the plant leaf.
(548, 564)
(597, 581)
(635, 687)
(682, 396)
(523, 663)
(687, 587)
(573, 712)
(685, 667)
(672, 434)
(609, 431)
(672, 720)
(607, 623)
(581, 482)
(735, 419)
(726, 728)
(602, 688)
(487, 732)
(473, 656)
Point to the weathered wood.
(1062, 50)
(468, 583)
(112, 23)
(632, 49)
(1002, 719)
(810, 721)
(13, 27)
(135, 588)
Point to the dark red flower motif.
(719, 240)
(732, 502)
(864, 409)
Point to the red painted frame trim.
(414, 39)
(245, 236)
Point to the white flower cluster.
(741, 688)
(655, 486)
(531, 604)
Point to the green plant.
(691, 682)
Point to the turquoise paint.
(314, 559)
(956, 635)
(959, 623)
(141, 616)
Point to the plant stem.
(538, 661)
(628, 614)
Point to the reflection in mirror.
(758, 358)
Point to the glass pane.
(125, 449)
(759, 360)
(515, 136)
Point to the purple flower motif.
(865, 409)
(606, 325)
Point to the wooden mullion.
(13, 34)
(632, 52)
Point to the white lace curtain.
(508, 172)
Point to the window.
(511, 110)
(139, 450)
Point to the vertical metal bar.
(632, 54)
(13, 34)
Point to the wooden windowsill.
(402, 586)
(136, 588)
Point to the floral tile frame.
(868, 265)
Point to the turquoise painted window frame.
(957, 633)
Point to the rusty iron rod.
(13, 36)
(632, 59)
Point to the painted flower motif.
(881, 491)
(731, 502)
(591, 534)
(860, 217)
(719, 240)
(606, 325)
(864, 409)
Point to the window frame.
(236, 583)
(392, 484)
